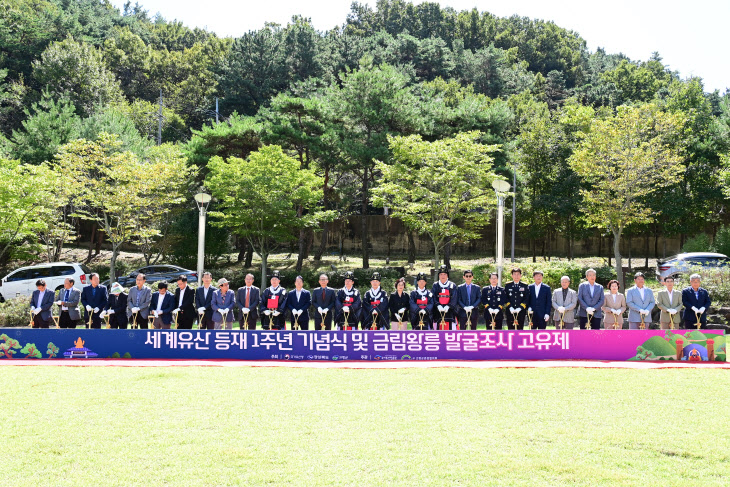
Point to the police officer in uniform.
(271, 308)
(493, 298)
(517, 300)
(348, 304)
(444, 294)
(421, 304)
(375, 306)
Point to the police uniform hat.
(443, 269)
(421, 277)
(350, 275)
(275, 274)
(375, 276)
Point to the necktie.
(65, 297)
(323, 290)
(246, 298)
(468, 292)
(138, 292)
(93, 291)
(697, 295)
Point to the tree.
(441, 188)
(8, 346)
(31, 351)
(372, 103)
(24, 197)
(77, 70)
(51, 124)
(52, 350)
(623, 159)
(122, 193)
(258, 198)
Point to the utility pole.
(159, 122)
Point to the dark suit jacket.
(45, 306)
(303, 303)
(462, 298)
(168, 304)
(204, 302)
(541, 305)
(188, 303)
(254, 299)
(119, 305)
(689, 300)
(329, 298)
(98, 299)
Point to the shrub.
(698, 243)
(722, 240)
(15, 312)
(552, 272)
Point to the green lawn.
(212, 426)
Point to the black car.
(158, 272)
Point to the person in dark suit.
(161, 306)
(375, 306)
(696, 301)
(248, 299)
(94, 298)
(444, 294)
(399, 305)
(298, 302)
(468, 297)
(493, 298)
(68, 300)
(348, 304)
(203, 297)
(185, 304)
(421, 304)
(41, 303)
(540, 302)
(323, 298)
(116, 308)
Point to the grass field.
(274, 426)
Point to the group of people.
(443, 306)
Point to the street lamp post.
(501, 187)
(202, 200)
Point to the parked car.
(21, 282)
(679, 264)
(157, 272)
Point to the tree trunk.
(264, 264)
(99, 240)
(411, 247)
(302, 242)
(646, 251)
(631, 269)
(322, 242)
(617, 255)
(112, 264)
(609, 251)
(91, 243)
(534, 250)
(364, 221)
(241, 245)
(447, 255)
(388, 222)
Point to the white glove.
(493, 311)
(422, 312)
(694, 308)
(644, 312)
(299, 312)
(375, 311)
(529, 309)
(590, 310)
(345, 309)
(88, 308)
(672, 311)
(398, 316)
(512, 310)
(468, 308)
(176, 310)
(58, 303)
(547, 317)
(561, 309)
(96, 310)
(135, 310)
(702, 310)
(267, 312)
(446, 309)
(616, 311)
(246, 310)
(226, 310)
(110, 312)
(402, 310)
(201, 310)
(319, 309)
(156, 314)
(277, 313)
(324, 310)
(102, 314)
(35, 310)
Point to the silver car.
(678, 264)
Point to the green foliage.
(110, 120)
(698, 243)
(31, 351)
(15, 312)
(52, 350)
(76, 70)
(552, 272)
(721, 243)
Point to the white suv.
(22, 281)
